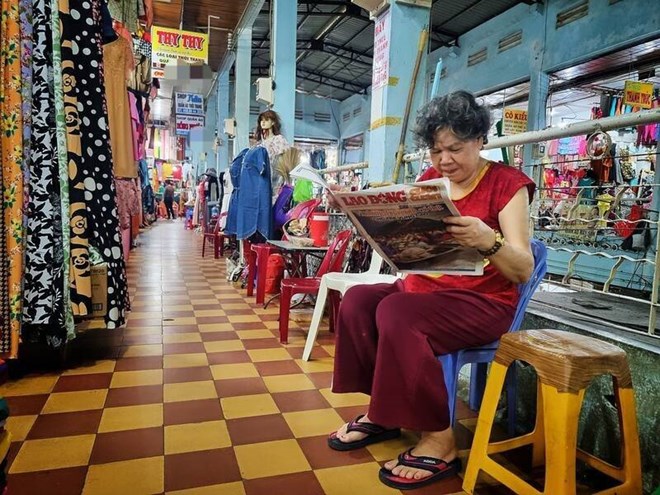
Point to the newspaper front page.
(404, 224)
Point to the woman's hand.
(471, 232)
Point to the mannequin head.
(268, 125)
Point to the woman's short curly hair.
(458, 112)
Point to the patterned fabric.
(44, 283)
(25, 14)
(11, 156)
(83, 76)
(62, 167)
(126, 12)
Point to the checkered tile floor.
(194, 396)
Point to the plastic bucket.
(318, 229)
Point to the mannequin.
(268, 135)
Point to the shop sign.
(186, 122)
(188, 104)
(514, 122)
(381, 68)
(169, 46)
(638, 94)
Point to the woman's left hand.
(471, 232)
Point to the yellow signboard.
(169, 46)
(638, 94)
(514, 121)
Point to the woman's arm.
(514, 259)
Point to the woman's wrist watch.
(499, 242)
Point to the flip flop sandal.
(440, 470)
(375, 433)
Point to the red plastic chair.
(332, 262)
(217, 237)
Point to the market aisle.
(201, 395)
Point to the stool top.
(564, 360)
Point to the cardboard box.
(99, 290)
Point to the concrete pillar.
(243, 71)
(223, 113)
(539, 87)
(283, 55)
(396, 42)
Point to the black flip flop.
(440, 470)
(375, 433)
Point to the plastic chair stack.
(480, 356)
(332, 262)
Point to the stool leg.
(631, 462)
(479, 450)
(561, 411)
(538, 435)
(251, 261)
(262, 265)
(286, 293)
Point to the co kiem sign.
(638, 94)
(514, 121)
(169, 46)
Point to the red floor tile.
(216, 336)
(270, 368)
(322, 379)
(288, 484)
(74, 383)
(184, 348)
(139, 363)
(54, 482)
(303, 400)
(179, 375)
(229, 357)
(124, 445)
(321, 456)
(259, 429)
(28, 404)
(65, 424)
(191, 470)
(266, 343)
(133, 396)
(240, 386)
(193, 411)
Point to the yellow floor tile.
(224, 346)
(244, 319)
(347, 480)
(206, 293)
(179, 392)
(247, 406)
(288, 383)
(182, 338)
(385, 451)
(215, 327)
(223, 296)
(273, 325)
(180, 307)
(313, 423)
(205, 301)
(121, 379)
(131, 417)
(84, 400)
(143, 350)
(254, 334)
(145, 315)
(31, 385)
(145, 475)
(236, 306)
(53, 453)
(138, 332)
(343, 400)
(188, 320)
(260, 355)
(195, 437)
(284, 457)
(235, 488)
(330, 349)
(185, 360)
(316, 365)
(235, 370)
(209, 312)
(19, 426)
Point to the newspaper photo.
(404, 224)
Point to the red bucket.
(318, 229)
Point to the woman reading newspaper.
(388, 336)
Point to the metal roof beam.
(460, 13)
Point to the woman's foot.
(438, 444)
(359, 433)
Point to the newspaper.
(404, 224)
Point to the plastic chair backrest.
(334, 257)
(303, 210)
(527, 289)
(376, 263)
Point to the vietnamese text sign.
(514, 121)
(188, 104)
(169, 46)
(381, 68)
(186, 122)
(638, 94)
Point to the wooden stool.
(565, 364)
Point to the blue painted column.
(539, 86)
(396, 41)
(283, 56)
(223, 113)
(243, 71)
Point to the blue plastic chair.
(480, 357)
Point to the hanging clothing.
(11, 151)
(119, 114)
(275, 146)
(44, 279)
(126, 12)
(235, 177)
(99, 191)
(254, 196)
